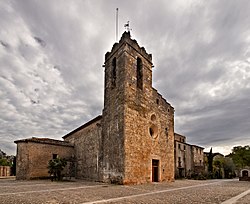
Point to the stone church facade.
(133, 140)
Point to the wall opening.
(113, 73)
(54, 156)
(245, 173)
(153, 131)
(153, 117)
(139, 73)
(155, 170)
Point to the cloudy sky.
(52, 52)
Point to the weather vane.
(126, 26)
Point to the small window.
(157, 101)
(139, 73)
(184, 147)
(179, 161)
(179, 146)
(166, 133)
(54, 156)
(113, 73)
(153, 117)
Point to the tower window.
(153, 131)
(153, 117)
(113, 73)
(139, 73)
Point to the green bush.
(4, 162)
(56, 167)
(198, 176)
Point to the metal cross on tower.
(126, 26)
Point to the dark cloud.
(40, 41)
(5, 45)
(51, 56)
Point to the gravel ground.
(244, 200)
(180, 191)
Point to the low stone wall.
(244, 178)
(4, 171)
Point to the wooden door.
(155, 170)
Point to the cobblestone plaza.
(180, 191)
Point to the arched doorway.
(244, 173)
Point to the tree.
(241, 156)
(4, 162)
(229, 167)
(210, 161)
(56, 167)
(218, 165)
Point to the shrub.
(56, 167)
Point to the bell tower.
(128, 146)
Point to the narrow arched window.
(139, 73)
(113, 73)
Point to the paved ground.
(84, 192)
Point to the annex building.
(131, 142)
(189, 159)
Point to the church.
(132, 141)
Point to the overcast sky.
(52, 52)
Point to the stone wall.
(184, 163)
(34, 154)
(149, 123)
(198, 156)
(22, 161)
(148, 136)
(179, 138)
(112, 159)
(86, 141)
(138, 123)
(188, 158)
